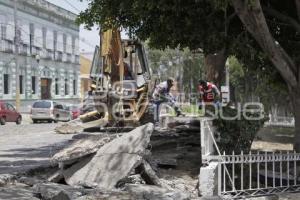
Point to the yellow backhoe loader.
(121, 84)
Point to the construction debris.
(82, 147)
(29, 181)
(78, 125)
(155, 192)
(15, 192)
(141, 164)
(6, 179)
(112, 162)
(53, 191)
(56, 177)
(148, 174)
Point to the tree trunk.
(254, 20)
(214, 67)
(295, 96)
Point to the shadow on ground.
(23, 159)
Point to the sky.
(88, 39)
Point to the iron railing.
(258, 174)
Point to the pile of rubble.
(115, 166)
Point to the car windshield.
(42, 104)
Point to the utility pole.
(17, 40)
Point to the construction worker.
(209, 94)
(162, 95)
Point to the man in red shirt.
(209, 93)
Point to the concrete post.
(208, 180)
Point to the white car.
(51, 111)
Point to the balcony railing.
(25, 50)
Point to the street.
(28, 145)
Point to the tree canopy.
(260, 33)
(193, 23)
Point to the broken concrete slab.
(148, 174)
(102, 171)
(108, 195)
(152, 192)
(78, 126)
(131, 179)
(62, 195)
(29, 181)
(56, 177)
(50, 191)
(114, 161)
(17, 193)
(6, 179)
(82, 147)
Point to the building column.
(13, 80)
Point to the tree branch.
(282, 17)
(230, 17)
(297, 2)
(253, 18)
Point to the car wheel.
(19, 120)
(2, 121)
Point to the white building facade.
(48, 57)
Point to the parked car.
(75, 111)
(8, 113)
(51, 111)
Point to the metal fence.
(258, 174)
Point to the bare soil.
(274, 138)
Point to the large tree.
(196, 24)
(218, 27)
(275, 25)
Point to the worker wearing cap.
(209, 93)
(161, 95)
